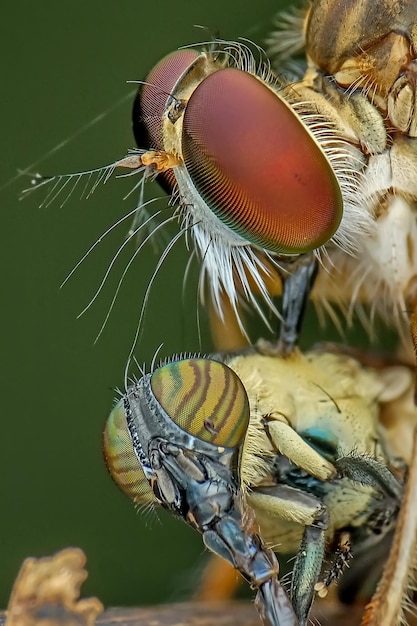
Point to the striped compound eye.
(205, 398)
(121, 459)
(256, 165)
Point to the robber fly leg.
(287, 503)
(297, 286)
(307, 567)
(391, 597)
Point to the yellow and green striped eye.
(121, 459)
(205, 398)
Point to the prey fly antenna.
(156, 87)
(132, 161)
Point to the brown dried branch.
(46, 593)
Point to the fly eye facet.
(121, 459)
(150, 103)
(205, 398)
(152, 98)
(257, 166)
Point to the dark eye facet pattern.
(205, 398)
(121, 459)
(257, 167)
(153, 96)
(150, 103)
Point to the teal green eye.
(205, 398)
(121, 459)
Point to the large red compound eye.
(151, 101)
(152, 97)
(257, 167)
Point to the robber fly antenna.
(95, 176)
(26, 171)
(156, 87)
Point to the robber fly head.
(256, 179)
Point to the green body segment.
(205, 398)
(121, 459)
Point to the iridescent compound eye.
(152, 99)
(121, 459)
(256, 165)
(205, 398)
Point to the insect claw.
(321, 589)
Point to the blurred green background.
(64, 63)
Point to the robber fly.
(257, 451)
(270, 177)
(256, 182)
